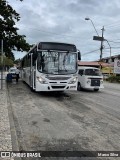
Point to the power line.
(115, 47)
(112, 27)
(90, 52)
(112, 23)
(50, 32)
(114, 41)
(98, 50)
(112, 47)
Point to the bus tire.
(79, 88)
(32, 90)
(96, 90)
(23, 81)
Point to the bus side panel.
(26, 75)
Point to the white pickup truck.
(90, 78)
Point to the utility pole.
(101, 48)
(98, 38)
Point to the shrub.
(114, 78)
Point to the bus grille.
(95, 82)
(58, 87)
(58, 78)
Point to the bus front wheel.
(32, 90)
(79, 88)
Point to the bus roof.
(54, 46)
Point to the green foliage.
(114, 78)
(6, 61)
(8, 32)
(17, 61)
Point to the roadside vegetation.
(113, 78)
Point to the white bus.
(90, 78)
(51, 66)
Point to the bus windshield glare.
(57, 62)
(93, 72)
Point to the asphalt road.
(75, 121)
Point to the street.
(75, 121)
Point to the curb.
(5, 133)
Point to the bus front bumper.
(53, 87)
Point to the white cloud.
(64, 21)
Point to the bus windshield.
(54, 62)
(93, 72)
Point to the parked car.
(105, 76)
(12, 71)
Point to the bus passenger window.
(39, 65)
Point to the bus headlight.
(73, 80)
(88, 81)
(41, 80)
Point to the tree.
(17, 62)
(8, 32)
(7, 62)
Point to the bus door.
(33, 72)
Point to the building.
(106, 68)
(111, 59)
(93, 64)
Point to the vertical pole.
(110, 58)
(110, 61)
(1, 64)
(31, 70)
(101, 48)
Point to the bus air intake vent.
(58, 87)
(58, 78)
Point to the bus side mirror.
(79, 56)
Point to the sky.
(64, 21)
